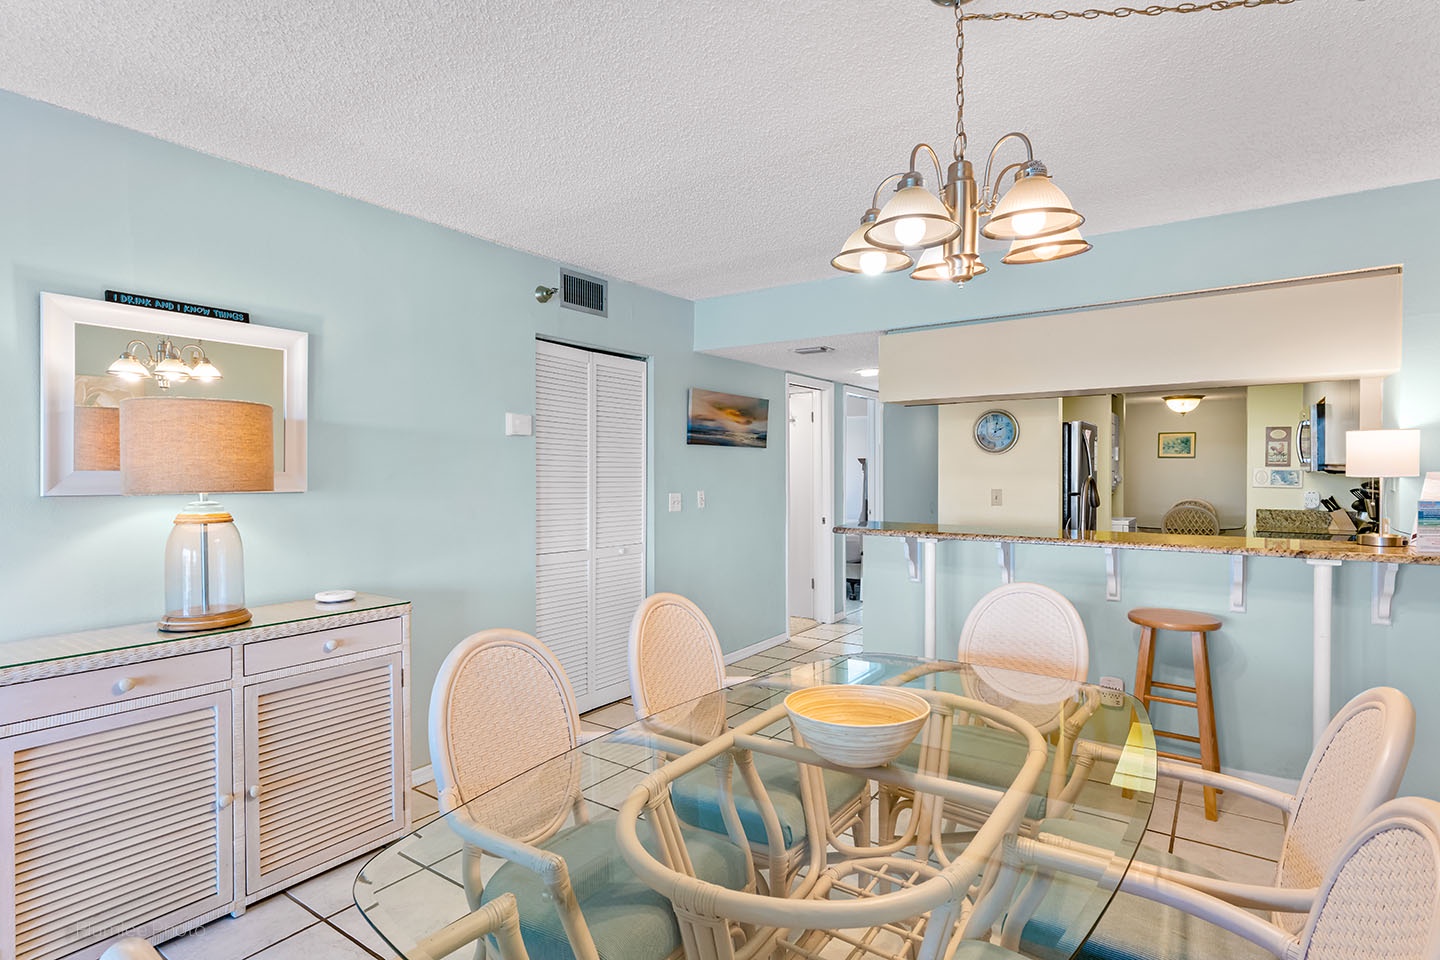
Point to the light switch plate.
(519, 425)
(997, 497)
(699, 499)
(676, 502)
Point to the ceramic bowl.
(854, 725)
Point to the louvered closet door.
(119, 826)
(322, 767)
(589, 513)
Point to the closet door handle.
(330, 646)
(124, 685)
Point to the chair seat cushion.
(1131, 928)
(627, 920)
(697, 801)
(987, 757)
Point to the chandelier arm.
(875, 200)
(987, 197)
(934, 158)
(197, 348)
(149, 357)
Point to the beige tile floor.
(318, 920)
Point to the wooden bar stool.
(1198, 625)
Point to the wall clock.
(996, 431)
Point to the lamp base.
(176, 622)
(1383, 540)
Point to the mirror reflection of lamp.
(167, 364)
(171, 445)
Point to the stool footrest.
(1177, 736)
(1172, 686)
(1148, 698)
(1186, 758)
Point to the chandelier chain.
(1120, 13)
(960, 139)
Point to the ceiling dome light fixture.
(1184, 403)
(1034, 213)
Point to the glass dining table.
(925, 851)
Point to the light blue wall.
(421, 338)
(1262, 658)
(912, 463)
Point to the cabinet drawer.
(94, 688)
(265, 655)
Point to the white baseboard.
(425, 774)
(760, 647)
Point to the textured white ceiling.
(705, 149)
(848, 353)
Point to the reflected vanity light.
(166, 364)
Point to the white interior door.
(801, 450)
(589, 513)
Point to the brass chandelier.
(1034, 214)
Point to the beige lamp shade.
(1034, 207)
(97, 438)
(1382, 453)
(857, 256)
(913, 217)
(1044, 249)
(184, 445)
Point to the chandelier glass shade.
(858, 256)
(1045, 248)
(1183, 404)
(1033, 207)
(167, 364)
(914, 218)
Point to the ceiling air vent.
(806, 351)
(582, 293)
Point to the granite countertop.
(1243, 546)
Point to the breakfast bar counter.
(1323, 556)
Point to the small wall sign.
(175, 306)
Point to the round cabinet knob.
(224, 800)
(124, 685)
(254, 792)
(331, 646)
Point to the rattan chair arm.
(1193, 774)
(1058, 854)
(549, 866)
(500, 916)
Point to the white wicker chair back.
(501, 706)
(1030, 628)
(674, 655)
(1191, 520)
(1356, 766)
(1197, 502)
(1381, 897)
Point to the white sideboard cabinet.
(152, 782)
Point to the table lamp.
(1382, 454)
(183, 445)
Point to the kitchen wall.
(1027, 475)
(421, 339)
(1216, 473)
(912, 469)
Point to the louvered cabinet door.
(121, 824)
(323, 775)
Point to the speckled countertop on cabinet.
(1243, 546)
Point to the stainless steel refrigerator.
(1080, 497)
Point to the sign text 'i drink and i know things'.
(175, 306)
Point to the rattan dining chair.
(1191, 520)
(1357, 765)
(675, 658)
(1035, 631)
(1379, 898)
(502, 707)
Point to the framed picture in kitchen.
(1175, 446)
(1277, 446)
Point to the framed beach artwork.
(1175, 446)
(727, 419)
(1277, 446)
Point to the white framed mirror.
(80, 340)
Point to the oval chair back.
(1357, 765)
(1033, 629)
(675, 658)
(1380, 899)
(501, 705)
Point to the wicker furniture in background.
(1189, 518)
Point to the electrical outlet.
(699, 499)
(677, 502)
(997, 497)
(1312, 499)
(1112, 691)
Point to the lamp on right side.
(1382, 454)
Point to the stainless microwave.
(1320, 437)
